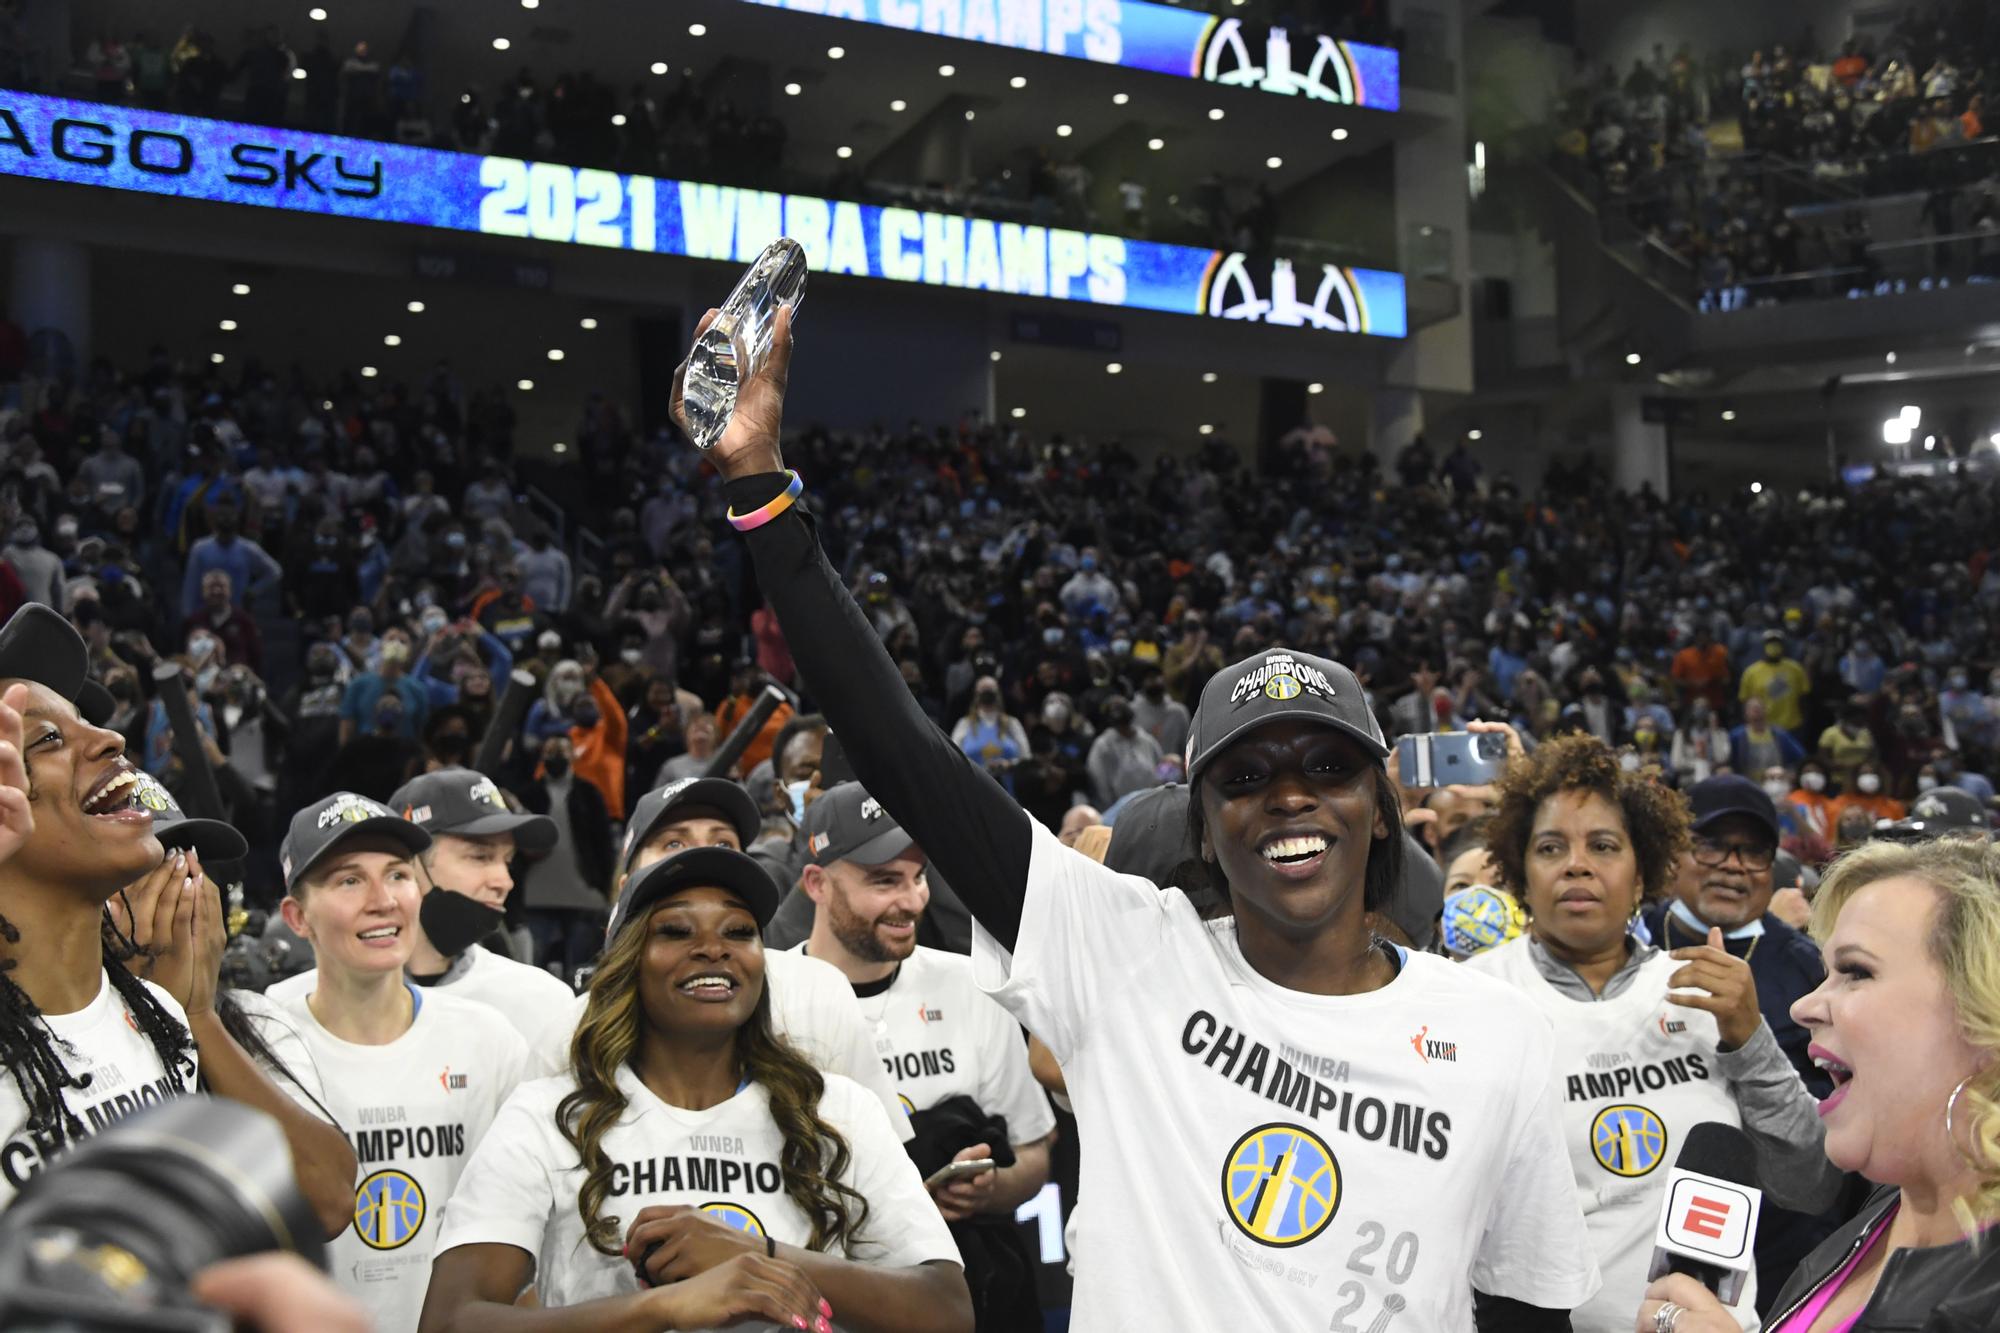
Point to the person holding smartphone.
(690, 1169)
(1284, 1123)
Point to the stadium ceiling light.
(1120, 99)
(793, 90)
(555, 354)
(1063, 131)
(1205, 428)
(1215, 113)
(1156, 144)
(659, 67)
(316, 14)
(228, 326)
(996, 356)
(240, 289)
(1911, 415)
(1017, 82)
(618, 119)
(1475, 435)
(1114, 368)
(415, 307)
(392, 340)
(697, 30)
(525, 386)
(1890, 358)
(368, 372)
(560, 447)
(1729, 414)
(1208, 377)
(843, 152)
(501, 43)
(1274, 162)
(587, 322)
(835, 52)
(1632, 358)
(1756, 488)
(899, 105)
(299, 73)
(1339, 136)
(1315, 387)
(1930, 443)
(946, 71)
(1895, 431)
(216, 357)
(1018, 413)
(1994, 439)
(970, 115)
(531, 4)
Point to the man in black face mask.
(465, 882)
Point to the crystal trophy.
(736, 345)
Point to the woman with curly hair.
(1908, 1023)
(1648, 1044)
(691, 1169)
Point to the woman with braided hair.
(690, 1169)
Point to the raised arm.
(974, 832)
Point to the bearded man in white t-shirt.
(465, 881)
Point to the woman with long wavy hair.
(691, 1169)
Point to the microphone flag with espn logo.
(1709, 1217)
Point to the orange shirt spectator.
(1878, 803)
(1702, 671)
(1972, 121)
(1847, 70)
(600, 748)
(733, 710)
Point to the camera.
(1451, 758)
(107, 1238)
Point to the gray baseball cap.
(847, 824)
(1275, 686)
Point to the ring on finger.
(1666, 1317)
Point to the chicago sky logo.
(1281, 1185)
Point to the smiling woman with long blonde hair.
(690, 1168)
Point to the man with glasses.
(1725, 881)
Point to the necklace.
(1672, 922)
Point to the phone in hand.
(1451, 758)
(951, 1171)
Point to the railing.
(1891, 268)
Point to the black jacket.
(1942, 1289)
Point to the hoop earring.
(1952, 1134)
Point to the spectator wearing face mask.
(995, 740)
(1814, 799)
(1123, 759)
(219, 615)
(597, 735)
(1780, 682)
(1862, 669)
(1967, 718)
(1869, 792)
(1759, 744)
(564, 889)
(546, 579)
(1089, 591)
(1163, 718)
(251, 571)
(1702, 669)
(1595, 713)
(1847, 744)
(360, 705)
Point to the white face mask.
(631, 656)
(1776, 790)
(1868, 784)
(1813, 781)
(1925, 782)
(1629, 762)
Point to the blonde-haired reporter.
(1908, 1022)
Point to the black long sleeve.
(1502, 1314)
(970, 828)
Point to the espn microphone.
(1710, 1214)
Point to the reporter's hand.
(749, 1286)
(676, 1242)
(1700, 1311)
(967, 1196)
(749, 445)
(278, 1293)
(1718, 981)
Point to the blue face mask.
(1052, 636)
(1257, 588)
(1088, 564)
(795, 794)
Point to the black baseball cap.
(847, 824)
(37, 644)
(327, 823)
(1275, 686)
(1726, 794)
(210, 839)
(466, 804)
(697, 868)
(1150, 838)
(1939, 811)
(717, 793)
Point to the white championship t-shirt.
(1632, 1075)
(125, 1074)
(1255, 1157)
(940, 1036)
(536, 1002)
(520, 1188)
(813, 1008)
(414, 1110)
(296, 1070)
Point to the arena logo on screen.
(1137, 34)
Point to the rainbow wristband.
(757, 518)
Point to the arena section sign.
(124, 148)
(1137, 35)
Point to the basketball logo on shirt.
(1281, 1185)
(909, 1107)
(388, 1210)
(1628, 1140)
(734, 1216)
